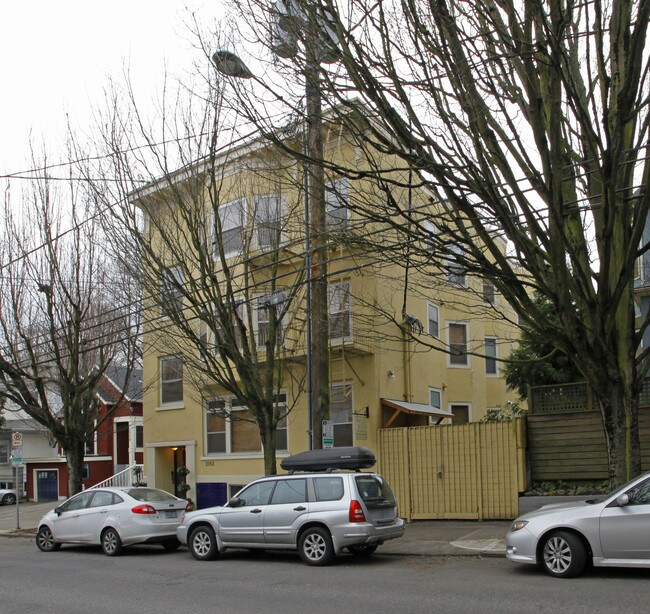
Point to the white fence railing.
(128, 477)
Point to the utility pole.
(319, 386)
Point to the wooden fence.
(459, 471)
(566, 440)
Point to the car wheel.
(45, 541)
(171, 544)
(563, 555)
(9, 499)
(203, 543)
(315, 546)
(362, 550)
(111, 542)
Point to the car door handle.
(257, 510)
(300, 508)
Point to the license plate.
(171, 514)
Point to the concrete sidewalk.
(422, 537)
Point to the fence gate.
(456, 471)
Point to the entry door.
(47, 485)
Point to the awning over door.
(413, 408)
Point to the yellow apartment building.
(409, 345)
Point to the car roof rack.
(352, 458)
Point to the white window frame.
(433, 306)
(489, 292)
(262, 222)
(171, 404)
(332, 314)
(337, 196)
(94, 438)
(348, 392)
(450, 357)
(169, 293)
(431, 228)
(489, 358)
(226, 226)
(4, 454)
(456, 274)
(230, 405)
(435, 391)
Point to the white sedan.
(7, 496)
(113, 518)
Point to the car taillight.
(143, 509)
(188, 507)
(356, 512)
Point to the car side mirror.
(623, 500)
(234, 502)
(58, 511)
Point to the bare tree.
(63, 321)
(212, 234)
(526, 122)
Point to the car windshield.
(374, 491)
(149, 494)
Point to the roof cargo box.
(354, 458)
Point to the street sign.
(328, 434)
(17, 461)
(16, 440)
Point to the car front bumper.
(521, 546)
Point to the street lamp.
(318, 385)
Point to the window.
(139, 437)
(266, 305)
(91, 445)
(433, 315)
(340, 312)
(435, 401)
(85, 471)
(489, 293)
(429, 232)
(215, 427)
(458, 344)
(4, 453)
(231, 428)
(328, 489)
(171, 292)
(290, 491)
(231, 220)
(640, 494)
(103, 498)
(341, 414)
(171, 380)
(461, 413)
(78, 502)
(490, 356)
(336, 205)
(269, 214)
(256, 494)
(244, 433)
(455, 270)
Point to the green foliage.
(536, 361)
(504, 413)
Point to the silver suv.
(318, 513)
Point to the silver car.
(114, 518)
(609, 531)
(319, 514)
(8, 496)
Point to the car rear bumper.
(354, 533)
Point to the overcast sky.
(57, 56)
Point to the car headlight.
(517, 525)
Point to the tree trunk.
(74, 455)
(267, 435)
(619, 410)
